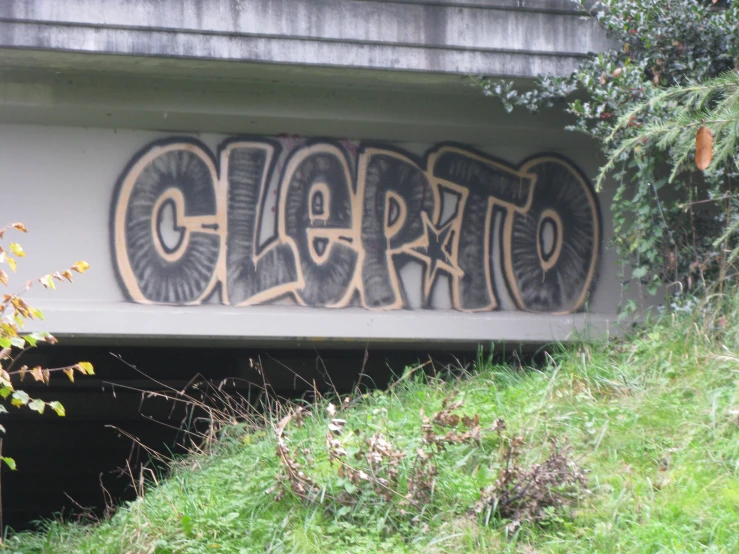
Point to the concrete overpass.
(273, 176)
(90, 88)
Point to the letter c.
(166, 227)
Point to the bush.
(672, 224)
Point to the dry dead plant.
(370, 467)
(373, 468)
(540, 493)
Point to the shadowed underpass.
(75, 464)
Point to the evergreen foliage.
(672, 70)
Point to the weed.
(543, 493)
(375, 472)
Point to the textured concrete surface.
(517, 38)
(303, 327)
(72, 172)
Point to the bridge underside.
(328, 172)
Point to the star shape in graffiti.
(432, 249)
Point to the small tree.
(14, 312)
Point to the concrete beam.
(501, 38)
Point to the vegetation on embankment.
(652, 419)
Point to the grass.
(653, 418)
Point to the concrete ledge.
(286, 51)
(295, 326)
(502, 38)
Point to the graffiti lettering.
(334, 224)
(253, 274)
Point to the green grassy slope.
(654, 419)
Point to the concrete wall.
(519, 38)
(63, 179)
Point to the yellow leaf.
(17, 249)
(86, 368)
(37, 374)
(69, 372)
(703, 148)
(58, 408)
(37, 405)
(19, 398)
(12, 264)
(47, 281)
(81, 266)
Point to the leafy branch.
(713, 104)
(14, 342)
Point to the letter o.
(551, 248)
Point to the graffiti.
(336, 224)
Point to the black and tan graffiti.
(333, 224)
